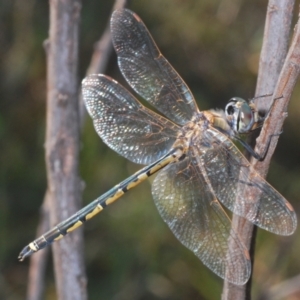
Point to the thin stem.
(275, 45)
(100, 56)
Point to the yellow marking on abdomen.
(160, 165)
(117, 195)
(33, 247)
(96, 210)
(59, 237)
(140, 178)
(133, 184)
(76, 225)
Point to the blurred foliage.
(130, 253)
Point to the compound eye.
(230, 108)
(246, 118)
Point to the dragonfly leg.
(252, 152)
(266, 113)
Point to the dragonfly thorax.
(217, 119)
(193, 131)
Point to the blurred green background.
(129, 252)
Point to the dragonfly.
(197, 163)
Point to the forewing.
(147, 71)
(124, 124)
(230, 173)
(197, 219)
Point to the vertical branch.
(62, 143)
(98, 63)
(275, 45)
(38, 262)
(274, 48)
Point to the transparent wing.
(124, 124)
(229, 172)
(197, 219)
(147, 71)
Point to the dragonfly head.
(240, 115)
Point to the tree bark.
(38, 262)
(275, 45)
(62, 144)
(98, 63)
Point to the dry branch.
(98, 64)
(62, 144)
(276, 37)
(36, 281)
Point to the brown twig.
(274, 49)
(276, 35)
(103, 47)
(62, 144)
(102, 51)
(38, 262)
